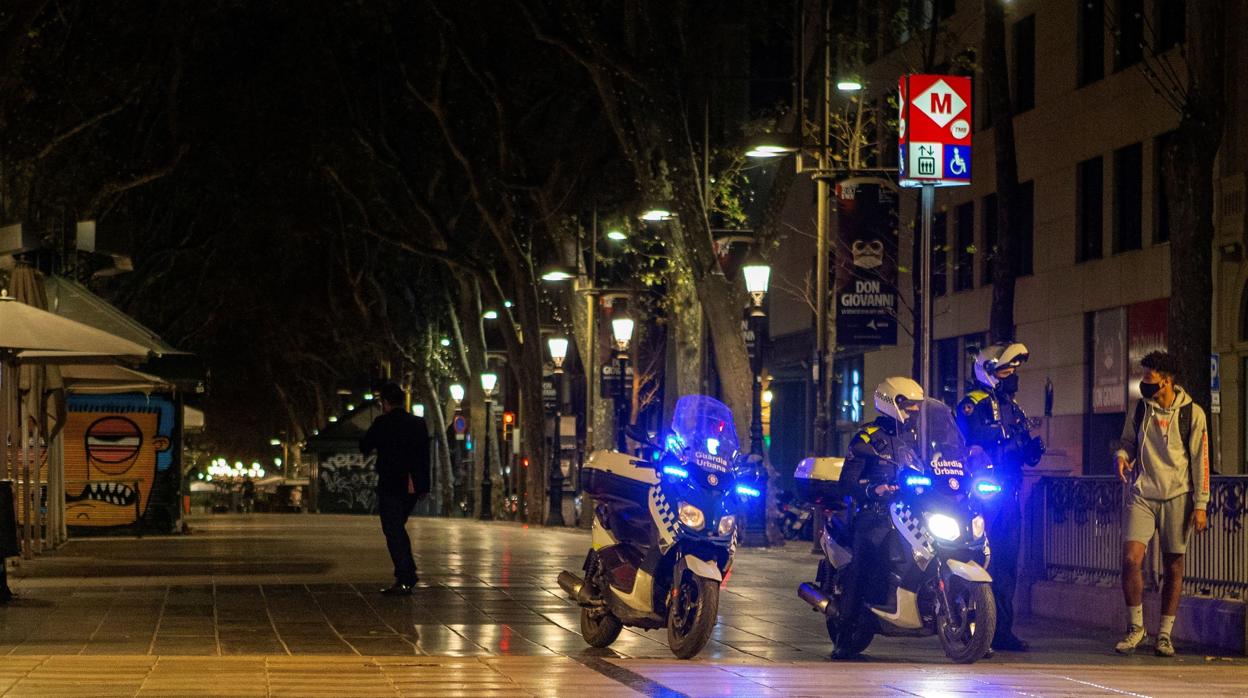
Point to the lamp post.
(622, 331)
(558, 352)
(757, 276)
(823, 174)
(488, 382)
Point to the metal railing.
(1080, 529)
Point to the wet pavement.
(273, 604)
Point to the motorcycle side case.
(615, 475)
(818, 480)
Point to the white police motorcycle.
(664, 530)
(936, 579)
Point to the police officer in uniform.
(991, 419)
(870, 474)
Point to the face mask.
(1148, 390)
(1009, 384)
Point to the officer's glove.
(1033, 450)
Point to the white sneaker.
(1164, 646)
(1135, 637)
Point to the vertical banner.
(1109, 361)
(1146, 332)
(866, 260)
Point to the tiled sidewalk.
(288, 605)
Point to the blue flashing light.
(748, 491)
(918, 481)
(674, 443)
(675, 471)
(987, 487)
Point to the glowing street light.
(622, 331)
(490, 314)
(558, 351)
(488, 382)
(757, 276)
(457, 392)
(657, 214)
(617, 235)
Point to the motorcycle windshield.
(703, 430)
(944, 457)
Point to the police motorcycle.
(664, 529)
(937, 552)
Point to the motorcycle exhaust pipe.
(570, 583)
(811, 595)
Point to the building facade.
(1091, 298)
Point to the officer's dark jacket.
(996, 424)
(401, 440)
(872, 459)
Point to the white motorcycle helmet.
(892, 396)
(994, 357)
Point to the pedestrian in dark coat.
(401, 441)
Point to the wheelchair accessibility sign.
(958, 162)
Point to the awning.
(102, 378)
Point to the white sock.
(1137, 615)
(1167, 624)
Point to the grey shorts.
(1171, 518)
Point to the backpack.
(1185, 426)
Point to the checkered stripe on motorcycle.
(666, 513)
(913, 527)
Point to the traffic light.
(509, 420)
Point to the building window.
(1091, 41)
(1161, 203)
(940, 254)
(1025, 64)
(953, 366)
(1128, 198)
(1090, 218)
(1128, 34)
(964, 255)
(850, 394)
(1243, 315)
(1025, 238)
(990, 235)
(1171, 24)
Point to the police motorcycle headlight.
(977, 527)
(944, 527)
(726, 524)
(691, 516)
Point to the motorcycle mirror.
(640, 435)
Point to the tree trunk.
(468, 310)
(1189, 185)
(437, 422)
(1009, 217)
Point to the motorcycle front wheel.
(966, 627)
(692, 614)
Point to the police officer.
(991, 419)
(870, 474)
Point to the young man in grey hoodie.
(1165, 457)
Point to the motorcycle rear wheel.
(599, 627)
(692, 615)
(849, 639)
(966, 629)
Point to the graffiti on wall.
(348, 484)
(118, 458)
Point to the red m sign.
(942, 103)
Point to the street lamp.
(558, 352)
(557, 272)
(757, 275)
(622, 331)
(488, 382)
(490, 314)
(457, 393)
(617, 235)
(657, 214)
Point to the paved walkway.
(287, 605)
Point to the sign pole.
(925, 353)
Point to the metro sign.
(934, 138)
